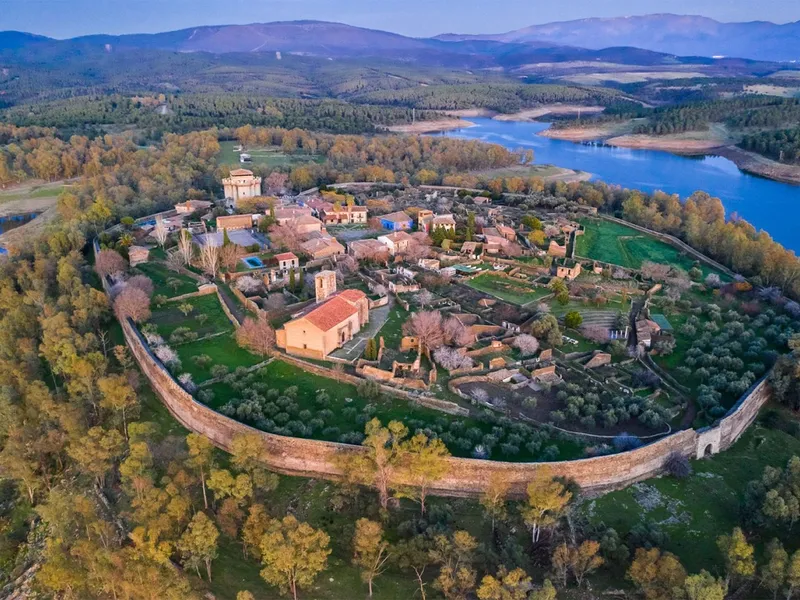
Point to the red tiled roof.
(286, 256)
(352, 295)
(329, 314)
(396, 217)
(239, 172)
(398, 236)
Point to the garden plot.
(283, 399)
(617, 244)
(167, 283)
(202, 315)
(516, 291)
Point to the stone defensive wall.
(465, 477)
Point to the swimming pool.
(253, 262)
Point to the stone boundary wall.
(466, 477)
(204, 290)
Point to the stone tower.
(325, 285)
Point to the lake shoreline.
(748, 162)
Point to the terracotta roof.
(443, 219)
(352, 295)
(329, 314)
(316, 245)
(398, 236)
(286, 256)
(396, 217)
(307, 220)
(239, 172)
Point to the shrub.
(219, 371)
(573, 319)
(678, 465)
(369, 390)
(625, 441)
(186, 381)
(202, 361)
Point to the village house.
(646, 330)
(424, 218)
(138, 255)
(494, 239)
(429, 264)
(470, 249)
(287, 261)
(288, 213)
(241, 184)
(234, 222)
(343, 215)
(397, 243)
(506, 232)
(322, 247)
(482, 200)
(361, 249)
(396, 221)
(190, 206)
(329, 324)
(568, 271)
(306, 224)
(446, 222)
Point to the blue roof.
(3, 250)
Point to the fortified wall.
(465, 477)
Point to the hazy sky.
(68, 18)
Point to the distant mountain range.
(674, 34)
(664, 33)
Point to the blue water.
(253, 262)
(768, 205)
(10, 222)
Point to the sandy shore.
(761, 165)
(580, 134)
(25, 205)
(676, 145)
(433, 126)
(550, 109)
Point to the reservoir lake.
(766, 204)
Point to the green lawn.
(267, 156)
(617, 244)
(222, 349)
(169, 317)
(695, 511)
(44, 191)
(160, 275)
(511, 290)
(392, 330)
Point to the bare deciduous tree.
(109, 262)
(248, 284)
(287, 236)
(160, 232)
(427, 326)
(256, 335)
(143, 283)
(655, 271)
(230, 255)
(527, 344)
(185, 246)
(455, 333)
(595, 333)
(134, 303)
(451, 359)
(174, 261)
(209, 260)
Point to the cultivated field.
(514, 291)
(267, 156)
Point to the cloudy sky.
(68, 18)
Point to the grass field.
(169, 317)
(510, 290)
(222, 349)
(696, 510)
(269, 156)
(620, 245)
(160, 275)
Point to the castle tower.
(325, 285)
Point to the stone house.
(288, 213)
(326, 326)
(344, 215)
(361, 249)
(287, 261)
(397, 242)
(190, 206)
(557, 250)
(324, 247)
(568, 271)
(234, 222)
(396, 221)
